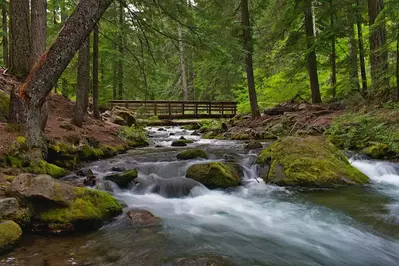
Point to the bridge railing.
(180, 109)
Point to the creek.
(254, 224)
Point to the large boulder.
(216, 174)
(62, 207)
(192, 154)
(125, 113)
(307, 162)
(10, 233)
(123, 179)
(4, 106)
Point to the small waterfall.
(379, 172)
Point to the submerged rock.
(201, 261)
(179, 143)
(62, 207)
(123, 179)
(192, 154)
(216, 174)
(308, 162)
(10, 233)
(377, 150)
(142, 218)
(167, 187)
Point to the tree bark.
(20, 45)
(83, 85)
(96, 110)
(182, 64)
(121, 51)
(397, 62)
(311, 57)
(353, 66)
(361, 51)
(378, 51)
(5, 33)
(248, 47)
(38, 27)
(51, 65)
(333, 56)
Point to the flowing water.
(254, 224)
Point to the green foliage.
(362, 130)
(134, 136)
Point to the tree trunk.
(248, 47)
(51, 65)
(38, 27)
(378, 51)
(311, 57)
(361, 51)
(333, 56)
(353, 66)
(121, 52)
(5, 34)
(96, 110)
(114, 80)
(397, 62)
(64, 89)
(83, 85)
(20, 47)
(38, 38)
(182, 64)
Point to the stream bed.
(254, 224)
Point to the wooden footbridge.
(180, 109)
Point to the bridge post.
(209, 108)
(155, 109)
(170, 111)
(222, 108)
(182, 108)
(196, 108)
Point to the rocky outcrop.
(192, 154)
(62, 207)
(126, 114)
(216, 174)
(307, 162)
(10, 233)
(123, 179)
(11, 209)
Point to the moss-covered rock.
(10, 233)
(377, 150)
(240, 136)
(4, 106)
(253, 144)
(11, 209)
(87, 210)
(215, 174)
(179, 143)
(308, 162)
(61, 207)
(134, 136)
(213, 135)
(123, 179)
(192, 154)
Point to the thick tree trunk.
(5, 33)
(38, 38)
(182, 64)
(51, 65)
(38, 27)
(378, 51)
(96, 110)
(248, 47)
(83, 85)
(311, 57)
(121, 52)
(20, 47)
(361, 51)
(114, 80)
(333, 56)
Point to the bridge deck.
(180, 109)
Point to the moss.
(10, 233)
(21, 140)
(15, 161)
(215, 174)
(377, 150)
(134, 136)
(88, 153)
(310, 162)
(213, 135)
(4, 106)
(123, 179)
(43, 167)
(88, 206)
(192, 154)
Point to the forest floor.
(59, 127)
